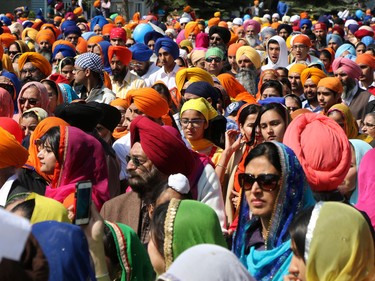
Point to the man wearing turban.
(294, 76)
(367, 64)
(122, 79)
(33, 67)
(348, 72)
(44, 41)
(329, 92)
(168, 51)
(117, 36)
(301, 44)
(13, 156)
(310, 78)
(141, 63)
(155, 154)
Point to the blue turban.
(27, 24)
(336, 38)
(5, 20)
(308, 22)
(88, 35)
(67, 23)
(367, 40)
(17, 86)
(280, 100)
(152, 35)
(72, 30)
(169, 45)
(343, 48)
(203, 89)
(140, 52)
(66, 51)
(104, 45)
(100, 20)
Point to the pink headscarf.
(348, 66)
(322, 148)
(43, 95)
(6, 104)
(366, 185)
(202, 40)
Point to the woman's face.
(67, 72)
(157, 260)
(56, 60)
(325, 60)
(270, 93)
(30, 98)
(351, 177)
(261, 202)
(96, 50)
(195, 126)
(52, 95)
(297, 268)
(369, 126)
(361, 49)
(13, 50)
(248, 127)
(28, 125)
(47, 158)
(272, 126)
(332, 44)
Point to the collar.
(5, 189)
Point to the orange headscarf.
(37, 60)
(40, 130)
(13, 154)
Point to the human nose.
(40, 154)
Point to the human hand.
(235, 198)
(232, 142)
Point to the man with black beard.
(141, 63)
(348, 72)
(156, 153)
(122, 79)
(310, 78)
(44, 41)
(248, 60)
(33, 67)
(320, 30)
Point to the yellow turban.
(37, 60)
(315, 74)
(13, 154)
(45, 35)
(29, 32)
(201, 105)
(297, 68)
(193, 74)
(250, 53)
(148, 101)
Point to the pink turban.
(254, 23)
(322, 148)
(348, 66)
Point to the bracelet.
(102, 276)
(220, 165)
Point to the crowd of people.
(215, 149)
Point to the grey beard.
(247, 78)
(47, 54)
(252, 41)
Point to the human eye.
(263, 125)
(275, 122)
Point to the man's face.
(118, 69)
(367, 73)
(244, 62)
(214, 65)
(310, 90)
(326, 98)
(117, 42)
(233, 63)
(343, 77)
(283, 33)
(215, 40)
(72, 38)
(79, 75)
(251, 32)
(165, 58)
(143, 175)
(320, 34)
(140, 67)
(300, 51)
(30, 73)
(273, 52)
(45, 46)
(295, 81)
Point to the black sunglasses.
(216, 59)
(266, 182)
(135, 160)
(31, 101)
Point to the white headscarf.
(283, 56)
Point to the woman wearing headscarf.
(178, 225)
(275, 190)
(58, 150)
(6, 104)
(327, 247)
(128, 257)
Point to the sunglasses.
(266, 182)
(216, 59)
(135, 160)
(31, 101)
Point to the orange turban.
(37, 60)
(304, 15)
(95, 39)
(187, 9)
(6, 39)
(322, 148)
(275, 25)
(233, 37)
(331, 83)
(302, 39)
(231, 85)
(29, 32)
(62, 42)
(297, 68)
(53, 28)
(123, 54)
(45, 35)
(213, 21)
(192, 74)
(148, 101)
(120, 19)
(366, 59)
(191, 27)
(233, 49)
(97, 3)
(78, 11)
(119, 102)
(223, 24)
(246, 97)
(315, 74)
(13, 154)
(81, 46)
(106, 30)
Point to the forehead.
(28, 65)
(137, 150)
(163, 51)
(273, 45)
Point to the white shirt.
(169, 79)
(122, 149)
(5, 189)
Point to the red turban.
(121, 52)
(166, 151)
(118, 32)
(347, 66)
(313, 73)
(322, 148)
(37, 60)
(302, 39)
(13, 154)
(148, 101)
(366, 59)
(10, 125)
(320, 26)
(45, 35)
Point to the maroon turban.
(348, 66)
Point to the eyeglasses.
(30, 70)
(215, 38)
(76, 70)
(292, 108)
(299, 47)
(31, 101)
(135, 160)
(216, 59)
(266, 182)
(56, 60)
(135, 64)
(368, 125)
(13, 52)
(150, 45)
(195, 123)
